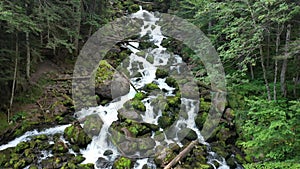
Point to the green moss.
(172, 83)
(204, 105)
(150, 87)
(173, 101)
(123, 163)
(133, 8)
(22, 146)
(150, 59)
(138, 105)
(165, 121)
(139, 96)
(161, 73)
(200, 120)
(86, 166)
(104, 72)
(76, 135)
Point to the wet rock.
(128, 147)
(172, 82)
(108, 153)
(188, 134)
(189, 90)
(22, 146)
(60, 147)
(123, 163)
(116, 135)
(103, 163)
(124, 114)
(146, 144)
(41, 137)
(165, 121)
(78, 159)
(150, 58)
(161, 73)
(164, 157)
(136, 104)
(159, 136)
(75, 148)
(93, 125)
(76, 135)
(174, 147)
(108, 83)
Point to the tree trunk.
(261, 54)
(182, 154)
(268, 48)
(14, 79)
(28, 56)
(251, 71)
(78, 26)
(284, 64)
(264, 72)
(279, 31)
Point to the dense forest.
(258, 43)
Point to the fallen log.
(182, 154)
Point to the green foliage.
(272, 165)
(271, 129)
(18, 116)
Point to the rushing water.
(108, 113)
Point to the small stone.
(108, 152)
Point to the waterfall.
(109, 112)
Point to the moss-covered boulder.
(22, 146)
(93, 125)
(139, 96)
(151, 87)
(173, 101)
(76, 135)
(187, 134)
(86, 166)
(60, 147)
(172, 82)
(123, 163)
(110, 84)
(161, 73)
(165, 121)
(78, 159)
(146, 144)
(135, 104)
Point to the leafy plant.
(271, 129)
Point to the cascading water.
(109, 112)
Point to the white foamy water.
(27, 136)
